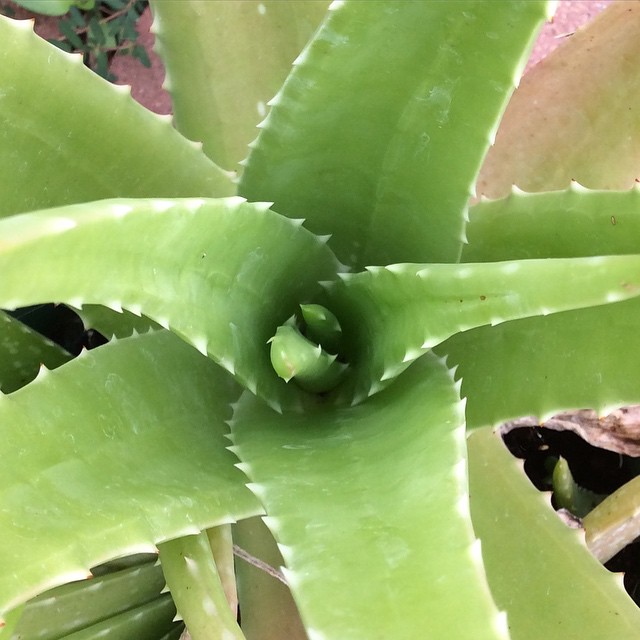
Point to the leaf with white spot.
(220, 85)
(390, 316)
(222, 274)
(78, 605)
(124, 447)
(196, 588)
(151, 620)
(539, 570)
(103, 144)
(360, 138)
(575, 359)
(369, 506)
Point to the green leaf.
(22, 352)
(75, 606)
(373, 495)
(574, 116)
(196, 588)
(133, 153)
(124, 447)
(47, 7)
(71, 36)
(539, 570)
(223, 274)
(234, 60)
(613, 524)
(111, 323)
(148, 622)
(560, 224)
(140, 53)
(542, 366)
(572, 360)
(382, 149)
(392, 315)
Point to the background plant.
(97, 30)
(123, 450)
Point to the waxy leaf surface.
(223, 274)
(103, 144)
(539, 570)
(235, 59)
(369, 506)
(389, 170)
(124, 446)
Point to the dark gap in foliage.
(61, 325)
(595, 469)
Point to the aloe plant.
(325, 377)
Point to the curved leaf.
(134, 153)
(147, 622)
(373, 495)
(539, 570)
(542, 366)
(114, 323)
(377, 170)
(222, 274)
(574, 360)
(575, 116)
(233, 61)
(75, 606)
(391, 316)
(573, 223)
(120, 449)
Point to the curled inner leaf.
(294, 356)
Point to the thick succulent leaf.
(234, 60)
(559, 224)
(103, 144)
(373, 495)
(22, 352)
(197, 591)
(539, 570)
(575, 114)
(120, 449)
(392, 315)
(223, 274)
(269, 612)
(75, 606)
(114, 323)
(147, 622)
(573, 360)
(382, 150)
(542, 366)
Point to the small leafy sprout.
(312, 359)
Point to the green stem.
(192, 577)
(615, 522)
(221, 543)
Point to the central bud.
(305, 349)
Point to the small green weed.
(98, 30)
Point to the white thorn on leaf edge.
(463, 509)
